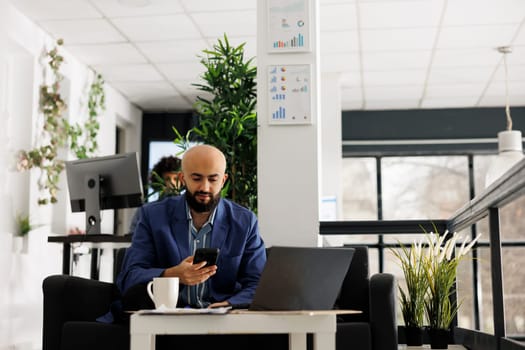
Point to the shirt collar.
(211, 219)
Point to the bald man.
(172, 229)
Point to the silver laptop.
(296, 278)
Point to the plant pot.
(439, 338)
(414, 336)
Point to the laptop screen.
(298, 278)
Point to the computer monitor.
(99, 183)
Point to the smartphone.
(209, 255)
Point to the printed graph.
(289, 94)
(288, 25)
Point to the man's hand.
(190, 274)
(219, 304)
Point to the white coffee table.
(144, 327)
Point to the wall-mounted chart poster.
(288, 26)
(289, 94)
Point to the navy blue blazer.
(161, 240)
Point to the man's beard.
(202, 207)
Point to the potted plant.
(227, 119)
(412, 297)
(440, 265)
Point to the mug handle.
(149, 289)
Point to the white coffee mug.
(164, 291)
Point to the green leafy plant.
(23, 225)
(57, 133)
(228, 119)
(412, 297)
(440, 265)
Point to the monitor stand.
(92, 197)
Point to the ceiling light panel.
(239, 23)
(39, 10)
(107, 54)
(117, 8)
(95, 31)
(393, 14)
(157, 28)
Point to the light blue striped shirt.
(198, 295)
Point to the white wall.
(23, 269)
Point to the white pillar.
(331, 153)
(288, 165)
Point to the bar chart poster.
(289, 94)
(289, 27)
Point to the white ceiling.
(392, 54)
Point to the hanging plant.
(57, 133)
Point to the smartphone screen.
(209, 255)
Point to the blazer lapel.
(221, 228)
(179, 226)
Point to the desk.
(94, 242)
(144, 327)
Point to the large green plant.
(228, 119)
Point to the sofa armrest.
(69, 298)
(383, 311)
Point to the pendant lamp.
(510, 148)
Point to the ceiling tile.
(450, 102)
(461, 12)
(338, 17)
(500, 101)
(515, 73)
(517, 57)
(173, 50)
(39, 10)
(497, 88)
(343, 62)
(107, 54)
(384, 93)
(352, 79)
(398, 39)
(466, 57)
(351, 105)
(337, 42)
(182, 71)
(250, 47)
(95, 31)
(379, 104)
(175, 103)
(393, 14)
(115, 8)
(394, 78)
(456, 90)
(214, 5)
(145, 89)
(239, 23)
(476, 36)
(129, 72)
(156, 28)
(460, 75)
(396, 60)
